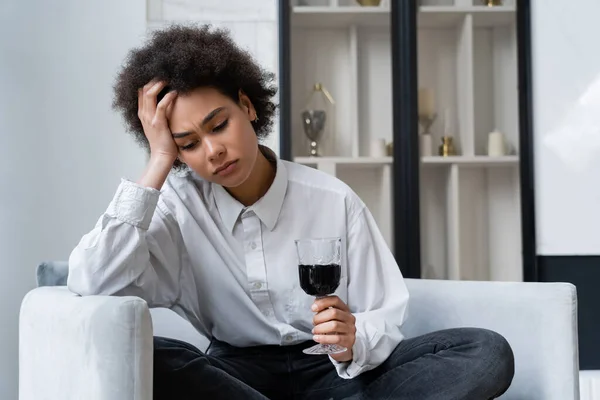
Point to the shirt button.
(288, 338)
(253, 245)
(257, 285)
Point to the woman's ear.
(247, 106)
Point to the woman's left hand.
(334, 324)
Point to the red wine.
(319, 280)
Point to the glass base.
(324, 349)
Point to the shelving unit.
(470, 211)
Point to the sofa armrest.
(96, 347)
(539, 320)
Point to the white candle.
(426, 102)
(496, 144)
(378, 148)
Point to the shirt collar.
(267, 208)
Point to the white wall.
(566, 74)
(62, 149)
(252, 23)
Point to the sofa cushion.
(52, 273)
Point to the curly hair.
(189, 57)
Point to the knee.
(171, 354)
(496, 358)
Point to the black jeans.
(464, 363)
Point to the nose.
(214, 149)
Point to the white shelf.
(461, 161)
(452, 16)
(345, 161)
(472, 161)
(428, 16)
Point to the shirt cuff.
(134, 204)
(360, 359)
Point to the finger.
(170, 105)
(161, 108)
(333, 314)
(333, 327)
(156, 88)
(140, 103)
(342, 340)
(329, 301)
(150, 97)
(149, 85)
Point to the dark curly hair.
(189, 57)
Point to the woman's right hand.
(163, 150)
(154, 120)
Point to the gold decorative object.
(492, 3)
(447, 147)
(369, 3)
(390, 149)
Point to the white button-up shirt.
(232, 271)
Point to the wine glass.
(319, 270)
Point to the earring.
(255, 118)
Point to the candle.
(426, 102)
(378, 148)
(496, 144)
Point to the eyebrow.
(206, 120)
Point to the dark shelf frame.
(406, 165)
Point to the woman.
(208, 230)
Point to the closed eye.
(216, 129)
(189, 146)
(221, 126)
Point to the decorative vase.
(447, 147)
(315, 115)
(425, 144)
(426, 110)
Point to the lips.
(225, 167)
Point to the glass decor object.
(319, 107)
(427, 114)
(427, 117)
